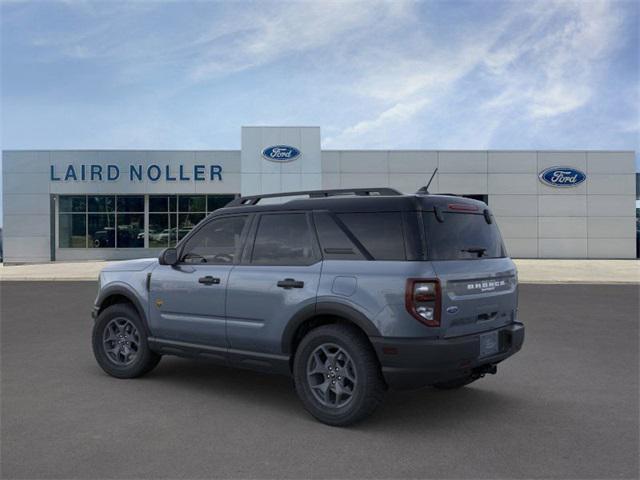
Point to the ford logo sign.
(562, 177)
(281, 153)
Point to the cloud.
(261, 37)
(228, 38)
(387, 74)
(400, 112)
(551, 67)
(537, 60)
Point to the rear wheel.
(337, 375)
(120, 343)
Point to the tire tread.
(148, 359)
(373, 381)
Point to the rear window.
(380, 233)
(335, 242)
(462, 236)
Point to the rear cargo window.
(462, 236)
(334, 241)
(380, 233)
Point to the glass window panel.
(283, 239)
(462, 236)
(334, 242)
(218, 201)
(102, 203)
(380, 233)
(173, 203)
(173, 225)
(130, 230)
(131, 203)
(158, 203)
(72, 203)
(218, 242)
(101, 230)
(160, 231)
(72, 230)
(192, 203)
(186, 222)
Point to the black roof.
(391, 201)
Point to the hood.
(136, 265)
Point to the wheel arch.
(323, 313)
(118, 294)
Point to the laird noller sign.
(135, 173)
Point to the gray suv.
(350, 292)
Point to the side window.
(380, 233)
(334, 242)
(283, 239)
(217, 243)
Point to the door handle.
(209, 280)
(290, 283)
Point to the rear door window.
(462, 236)
(381, 234)
(283, 239)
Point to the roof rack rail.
(360, 192)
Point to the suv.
(350, 292)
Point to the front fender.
(135, 292)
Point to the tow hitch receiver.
(481, 371)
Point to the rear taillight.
(422, 299)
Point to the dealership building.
(117, 204)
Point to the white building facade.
(116, 204)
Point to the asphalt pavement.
(565, 407)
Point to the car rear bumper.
(414, 363)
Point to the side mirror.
(169, 256)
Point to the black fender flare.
(123, 291)
(326, 308)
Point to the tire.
(119, 326)
(454, 384)
(359, 383)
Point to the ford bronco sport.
(350, 292)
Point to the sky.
(375, 74)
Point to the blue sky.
(374, 74)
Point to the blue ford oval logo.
(562, 176)
(281, 153)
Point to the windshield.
(462, 236)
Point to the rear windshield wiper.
(479, 250)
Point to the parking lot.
(566, 406)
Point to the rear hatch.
(478, 281)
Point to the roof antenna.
(425, 190)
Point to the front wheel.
(337, 375)
(120, 343)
